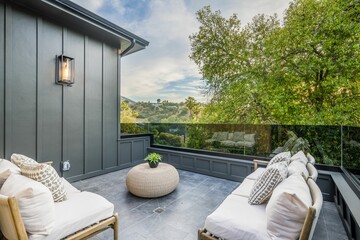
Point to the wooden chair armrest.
(258, 162)
(48, 162)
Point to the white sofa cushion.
(238, 136)
(310, 158)
(81, 210)
(299, 156)
(267, 182)
(35, 203)
(287, 208)
(297, 167)
(280, 157)
(236, 219)
(256, 174)
(245, 187)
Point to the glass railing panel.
(323, 142)
(168, 134)
(351, 151)
(134, 128)
(257, 140)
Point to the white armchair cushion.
(35, 203)
(6, 169)
(287, 208)
(79, 211)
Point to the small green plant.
(153, 158)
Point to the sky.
(164, 70)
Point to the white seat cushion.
(245, 187)
(236, 219)
(82, 209)
(256, 174)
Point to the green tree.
(127, 115)
(304, 71)
(193, 106)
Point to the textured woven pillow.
(267, 182)
(48, 176)
(280, 157)
(19, 160)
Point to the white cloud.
(167, 24)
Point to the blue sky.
(163, 70)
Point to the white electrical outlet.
(66, 165)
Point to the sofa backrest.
(11, 224)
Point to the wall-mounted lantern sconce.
(65, 70)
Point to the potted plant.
(153, 159)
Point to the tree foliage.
(304, 70)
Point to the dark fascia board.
(75, 17)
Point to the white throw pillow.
(299, 156)
(287, 208)
(297, 167)
(267, 182)
(6, 168)
(310, 158)
(280, 157)
(5, 165)
(35, 203)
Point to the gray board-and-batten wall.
(46, 121)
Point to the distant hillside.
(131, 102)
(163, 112)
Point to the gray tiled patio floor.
(185, 209)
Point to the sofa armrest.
(258, 162)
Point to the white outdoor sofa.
(236, 219)
(81, 215)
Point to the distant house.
(47, 121)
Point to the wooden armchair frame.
(13, 227)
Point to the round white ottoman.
(147, 182)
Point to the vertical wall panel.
(93, 106)
(20, 112)
(110, 105)
(2, 81)
(49, 94)
(74, 107)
